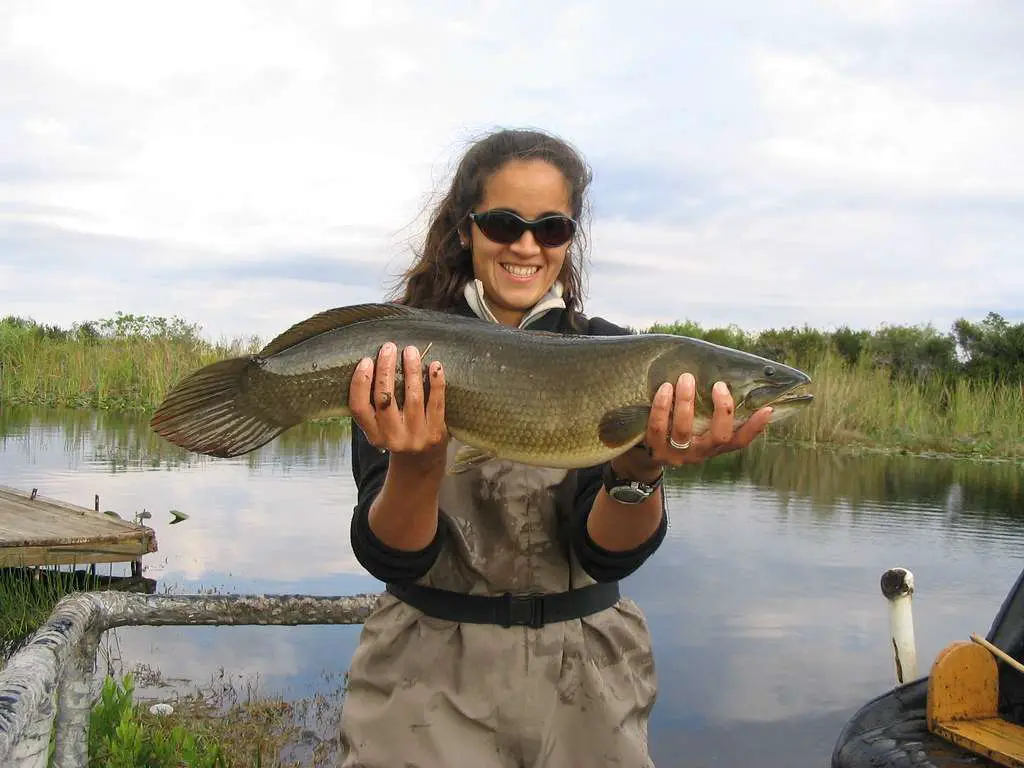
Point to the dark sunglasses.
(506, 227)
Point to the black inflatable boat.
(890, 731)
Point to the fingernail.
(721, 387)
(363, 365)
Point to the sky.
(243, 165)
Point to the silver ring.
(679, 446)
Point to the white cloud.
(842, 129)
(831, 163)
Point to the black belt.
(530, 610)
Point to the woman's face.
(516, 276)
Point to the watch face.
(627, 494)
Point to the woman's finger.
(389, 417)
(359, 402)
(436, 427)
(721, 420)
(682, 413)
(752, 427)
(658, 420)
(412, 407)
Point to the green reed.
(27, 597)
(109, 373)
(862, 404)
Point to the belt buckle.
(523, 610)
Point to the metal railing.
(47, 688)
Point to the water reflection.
(764, 605)
(119, 442)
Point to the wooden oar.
(998, 652)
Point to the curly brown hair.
(443, 267)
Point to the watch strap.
(611, 480)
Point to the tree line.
(991, 350)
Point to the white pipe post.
(898, 588)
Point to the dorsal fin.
(329, 320)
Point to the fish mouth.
(776, 396)
(793, 398)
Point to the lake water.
(768, 623)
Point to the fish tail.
(208, 412)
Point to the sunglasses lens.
(501, 227)
(553, 231)
(506, 228)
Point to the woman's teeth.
(520, 271)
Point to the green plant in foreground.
(120, 738)
(210, 728)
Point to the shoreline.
(855, 448)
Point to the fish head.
(753, 381)
(757, 382)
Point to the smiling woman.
(503, 638)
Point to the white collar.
(474, 293)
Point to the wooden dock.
(35, 530)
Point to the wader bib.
(430, 692)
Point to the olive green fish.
(534, 397)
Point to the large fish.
(534, 397)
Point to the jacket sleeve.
(600, 563)
(369, 467)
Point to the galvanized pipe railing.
(47, 685)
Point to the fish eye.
(769, 371)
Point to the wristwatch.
(629, 491)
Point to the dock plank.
(46, 531)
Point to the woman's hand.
(671, 425)
(417, 430)
(404, 514)
(672, 418)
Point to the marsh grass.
(125, 369)
(865, 405)
(27, 597)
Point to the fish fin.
(331, 319)
(621, 426)
(202, 413)
(468, 457)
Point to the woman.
(460, 665)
